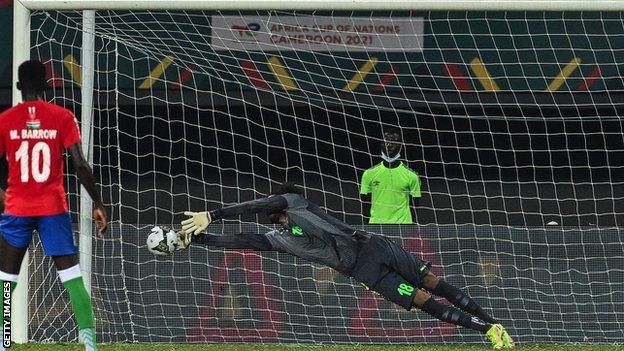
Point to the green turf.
(256, 347)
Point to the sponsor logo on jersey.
(296, 230)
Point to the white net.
(512, 121)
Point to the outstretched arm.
(83, 171)
(199, 221)
(269, 204)
(251, 241)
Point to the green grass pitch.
(257, 347)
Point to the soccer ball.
(162, 241)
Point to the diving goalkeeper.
(376, 262)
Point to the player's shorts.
(388, 270)
(54, 231)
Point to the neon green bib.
(390, 189)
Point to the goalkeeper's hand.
(197, 222)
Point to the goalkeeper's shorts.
(385, 268)
(55, 232)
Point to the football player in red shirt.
(33, 136)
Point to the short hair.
(287, 188)
(32, 76)
(391, 130)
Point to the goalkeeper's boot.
(495, 335)
(508, 342)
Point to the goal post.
(193, 105)
(86, 91)
(21, 53)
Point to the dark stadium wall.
(473, 170)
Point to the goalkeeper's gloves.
(197, 222)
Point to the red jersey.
(33, 136)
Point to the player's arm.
(269, 204)
(2, 198)
(414, 209)
(251, 241)
(366, 206)
(85, 175)
(415, 194)
(198, 221)
(365, 197)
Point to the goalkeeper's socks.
(461, 300)
(81, 304)
(3, 278)
(452, 315)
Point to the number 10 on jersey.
(30, 164)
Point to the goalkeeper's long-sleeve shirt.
(311, 233)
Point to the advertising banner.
(317, 33)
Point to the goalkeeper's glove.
(197, 222)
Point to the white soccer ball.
(162, 241)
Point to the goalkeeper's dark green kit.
(376, 262)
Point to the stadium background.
(542, 180)
(461, 171)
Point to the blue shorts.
(54, 231)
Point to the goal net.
(511, 119)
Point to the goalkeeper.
(373, 260)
